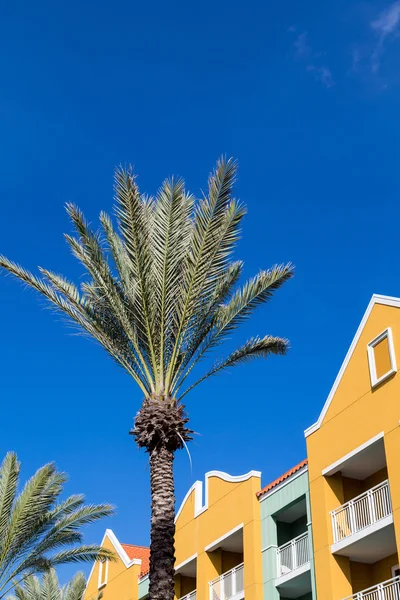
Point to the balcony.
(191, 596)
(229, 585)
(366, 516)
(293, 566)
(388, 590)
(293, 555)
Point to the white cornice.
(185, 562)
(335, 467)
(197, 488)
(215, 544)
(376, 299)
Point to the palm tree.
(49, 588)
(161, 293)
(38, 530)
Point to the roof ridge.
(282, 477)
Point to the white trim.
(285, 578)
(238, 596)
(352, 539)
(233, 478)
(386, 334)
(376, 299)
(335, 467)
(282, 484)
(197, 488)
(214, 545)
(100, 581)
(185, 562)
(141, 579)
(269, 547)
(119, 550)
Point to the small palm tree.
(49, 588)
(161, 293)
(38, 530)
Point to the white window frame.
(103, 574)
(394, 569)
(387, 333)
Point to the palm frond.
(161, 287)
(209, 218)
(253, 348)
(38, 529)
(131, 214)
(32, 588)
(75, 589)
(170, 238)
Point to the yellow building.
(218, 547)
(218, 539)
(328, 529)
(354, 474)
(119, 579)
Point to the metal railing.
(191, 596)
(228, 584)
(368, 508)
(388, 590)
(293, 554)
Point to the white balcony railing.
(388, 590)
(191, 596)
(293, 554)
(357, 514)
(229, 584)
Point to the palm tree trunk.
(161, 428)
(162, 551)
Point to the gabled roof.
(376, 299)
(126, 553)
(140, 552)
(282, 478)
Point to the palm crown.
(39, 531)
(49, 588)
(162, 289)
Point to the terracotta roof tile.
(286, 475)
(141, 552)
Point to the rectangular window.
(103, 573)
(381, 357)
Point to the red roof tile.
(286, 475)
(141, 552)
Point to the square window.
(103, 573)
(381, 357)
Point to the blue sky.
(306, 96)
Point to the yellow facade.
(357, 412)
(214, 535)
(225, 532)
(122, 575)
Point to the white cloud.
(388, 20)
(322, 74)
(301, 45)
(386, 25)
(305, 53)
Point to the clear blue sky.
(306, 96)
